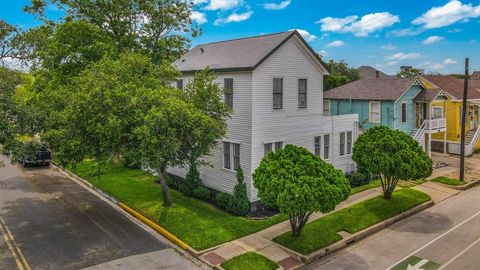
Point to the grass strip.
(249, 260)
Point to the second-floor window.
(404, 112)
(326, 146)
(271, 147)
(349, 142)
(326, 107)
(318, 145)
(342, 143)
(228, 91)
(437, 112)
(302, 93)
(374, 111)
(277, 93)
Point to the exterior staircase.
(470, 136)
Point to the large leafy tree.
(392, 154)
(154, 27)
(299, 183)
(340, 73)
(409, 72)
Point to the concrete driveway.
(49, 222)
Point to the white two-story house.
(274, 83)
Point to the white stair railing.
(420, 132)
(469, 148)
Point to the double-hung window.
(231, 155)
(349, 142)
(277, 93)
(326, 108)
(437, 112)
(302, 93)
(404, 112)
(271, 147)
(317, 141)
(228, 91)
(180, 84)
(342, 143)
(326, 146)
(374, 112)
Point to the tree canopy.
(392, 154)
(409, 72)
(299, 183)
(340, 73)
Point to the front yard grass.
(324, 231)
(448, 181)
(197, 223)
(249, 260)
(372, 184)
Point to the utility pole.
(464, 120)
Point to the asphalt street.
(446, 236)
(48, 221)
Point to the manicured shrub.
(202, 193)
(223, 199)
(191, 182)
(239, 203)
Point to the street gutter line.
(438, 237)
(459, 254)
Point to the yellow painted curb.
(155, 226)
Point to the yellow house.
(451, 109)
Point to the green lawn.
(199, 224)
(323, 232)
(249, 260)
(372, 184)
(448, 181)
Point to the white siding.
(239, 131)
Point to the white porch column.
(429, 144)
(445, 143)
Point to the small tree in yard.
(239, 202)
(299, 183)
(393, 155)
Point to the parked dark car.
(34, 153)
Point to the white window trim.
(273, 145)
(437, 107)
(379, 112)
(345, 144)
(231, 155)
(298, 92)
(329, 107)
(283, 94)
(321, 145)
(406, 112)
(329, 146)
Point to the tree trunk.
(167, 200)
(297, 222)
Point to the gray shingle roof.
(371, 89)
(368, 72)
(453, 86)
(427, 95)
(237, 54)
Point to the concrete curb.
(463, 187)
(171, 237)
(358, 235)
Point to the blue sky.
(433, 35)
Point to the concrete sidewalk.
(261, 242)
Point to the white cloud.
(197, 2)
(406, 32)
(223, 4)
(305, 34)
(438, 66)
(448, 14)
(403, 56)
(322, 53)
(234, 17)
(367, 24)
(432, 39)
(198, 17)
(336, 43)
(274, 6)
(388, 47)
(449, 61)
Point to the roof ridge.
(251, 37)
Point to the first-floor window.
(342, 143)
(374, 112)
(349, 142)
(180, 84)
(231, 152)
(271, 147)
(226, 155)
(437, 112)
(326, 146)
(318, 145)
(404, 112)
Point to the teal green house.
(389, 101)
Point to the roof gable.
(453, 86)
(239, 54)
